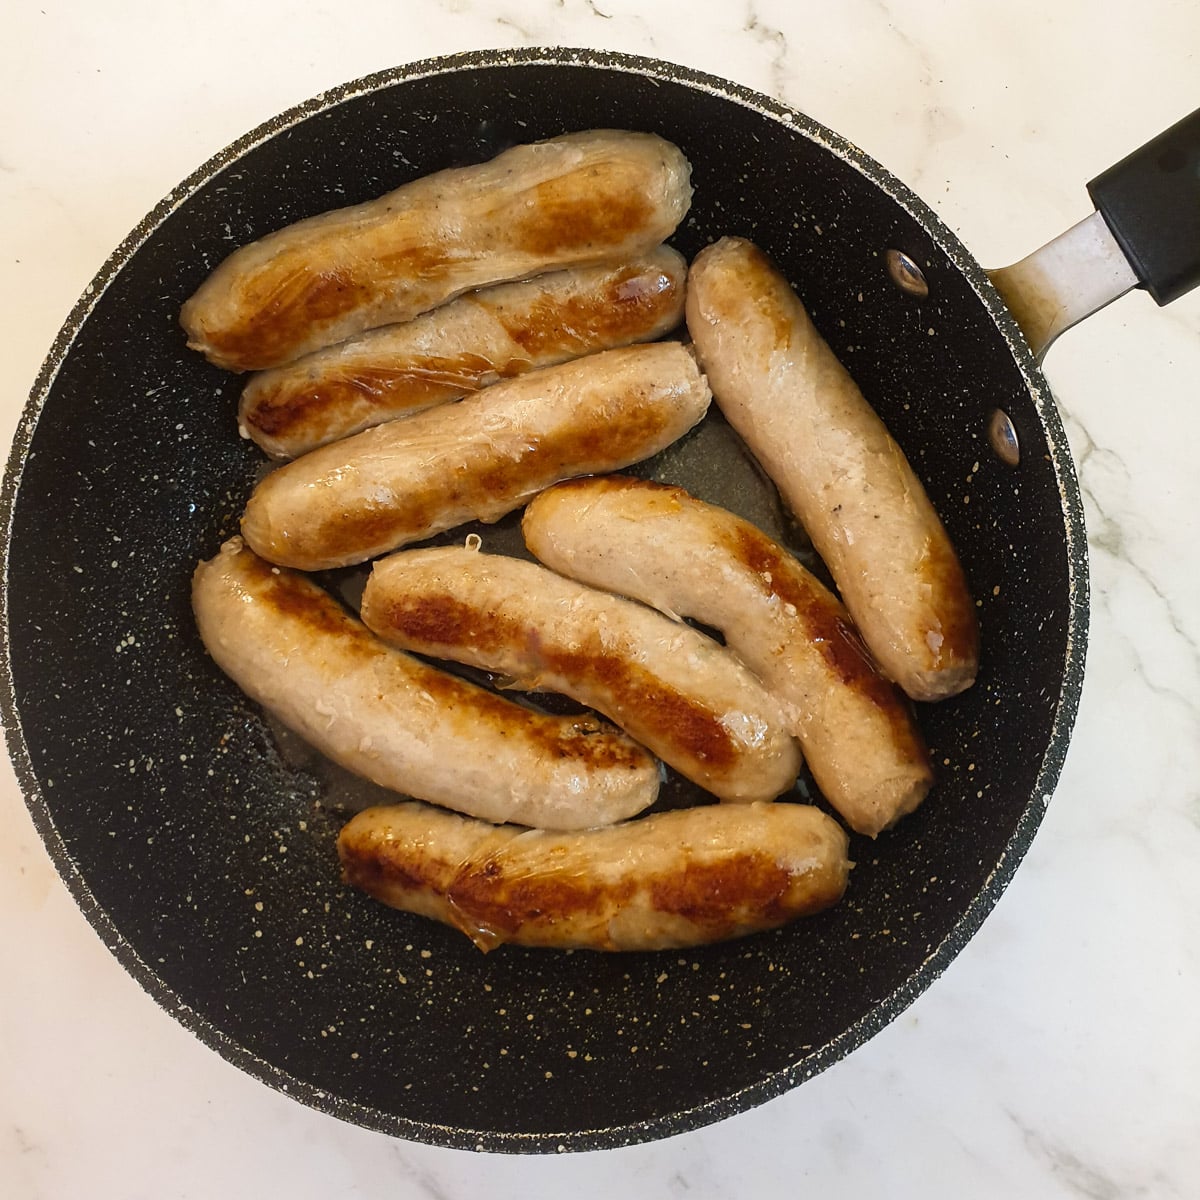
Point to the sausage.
(461, 347)
(669, 686)
(837, 468)
(571, 201)
(475, 460)
(401, 723)
(665, 881)
(662, 546)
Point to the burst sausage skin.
(837, 467)
(464, 346)
(474, 460)
(676, 691)
(660, 545)
(575, 200)
(408, 726)
(667, 881)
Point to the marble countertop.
(1059, 1056)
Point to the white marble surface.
(1060, 1054)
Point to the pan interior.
(199, 839)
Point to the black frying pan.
(198, 838)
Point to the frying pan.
(197, 837)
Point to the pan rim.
(934, 964)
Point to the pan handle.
(1151, 202)
(1145, 233)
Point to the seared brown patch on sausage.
(826, 625)
(379, 867)
(957, 629)
(300, 298)
(484, 896)
(371, 525)
(632, 300)
(491, 477)
(617, 432)
(300, 403)
(747, 888)
(583, 739)
(655, 707)
(743, 279)
(439, 623)
(572, 214)
(436, 622)
(489, 897)
(285, 303)
(719, 896)
(591, 741)
(493, 903)
(829, 629)
(294, 597)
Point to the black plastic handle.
(1151, 202)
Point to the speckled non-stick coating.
(199, 841)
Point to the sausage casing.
(665, 881)
(675, 690)
(408, 726)
(474, 460)
(837, 467)
(575, 200)
(466, 345)
(662, 546)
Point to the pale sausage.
(837, 467)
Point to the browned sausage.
(474, 460)
(676, 691)
(463, 346)
(576, 200)
(666, 881)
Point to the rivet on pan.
(1003, 437)
(905, 273)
